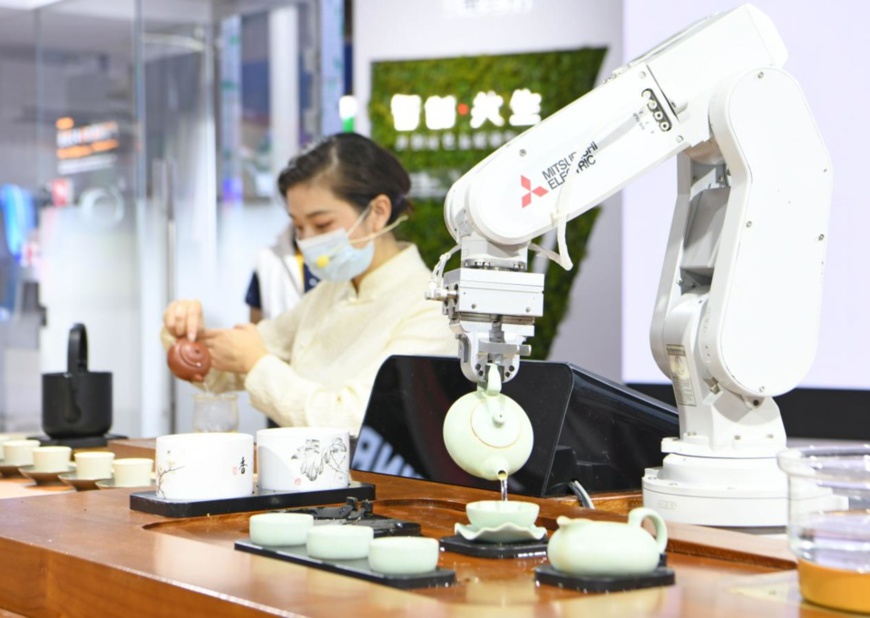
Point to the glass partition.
(141, 139)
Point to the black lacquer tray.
(661, 576)
(351, 568)
(261, 500)
(517, 549)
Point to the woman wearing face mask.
(315, 365)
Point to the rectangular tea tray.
(261, 500)
(351, 568)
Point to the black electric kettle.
(77, 403)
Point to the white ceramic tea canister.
(586, 547)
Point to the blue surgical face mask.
(331, 257)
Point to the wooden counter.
(87, 554)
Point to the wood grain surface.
(87, 554)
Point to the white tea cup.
(19, 452)
(280, 529)
(9, 436)
(403, 555)
(205, 466)
(132, 471)
(303, 458)
(94, 464)
(339, 542)
(51, 458)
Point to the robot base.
(712, 491)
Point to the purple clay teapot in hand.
(189, 360)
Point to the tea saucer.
(9, 470)
(110, 483)
(72, 479)
(44, 478)
(505, 533)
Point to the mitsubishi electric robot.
(737, 313)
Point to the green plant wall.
(436, 158)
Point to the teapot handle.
(636, 517)
(77, 364)
(77, 350)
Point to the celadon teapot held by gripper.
(486, 433)
(585, 547)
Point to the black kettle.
(77, 403)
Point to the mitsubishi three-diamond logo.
(527, 196)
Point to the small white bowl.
(279, 529)
(337, 542)
(403, 555)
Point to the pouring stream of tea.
(502, 478)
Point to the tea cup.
(303, 458)
(403, 555)
(51, 458)
(338, 542)
(205, 466)
(280, 529)
(19, 452)
(94, 464)
(132, 471)
(486, 514)
(6, 437)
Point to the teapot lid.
(495, 418)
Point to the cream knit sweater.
(324, 354)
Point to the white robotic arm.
(738, 305)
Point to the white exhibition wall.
(607, 328)
(827, 44)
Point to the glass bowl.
(829, 522)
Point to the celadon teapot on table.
(586, 547)
(486, 433)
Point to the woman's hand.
(183, 318)
(234, 349)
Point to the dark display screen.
(586, 428)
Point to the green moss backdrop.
(436, 158)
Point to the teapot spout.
(493, 468)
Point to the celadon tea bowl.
(495, 513)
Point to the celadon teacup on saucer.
(501, 521)
(585, 547)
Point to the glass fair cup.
(829, 523)
(215, 412)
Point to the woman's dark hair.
(354, 168)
